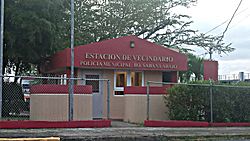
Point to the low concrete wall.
(47, 105)
(136, 108)
(54, 107)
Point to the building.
(128, 63)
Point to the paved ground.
(133, 133)
(123, 124)
(121, 131)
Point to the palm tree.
(195, 66)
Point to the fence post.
(147, 100)
(71, 87)
(1, 55)
(211, 101)
(108, 99)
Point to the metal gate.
(97, 87)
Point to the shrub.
(192, 102)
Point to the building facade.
(128, 63)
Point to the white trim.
(118, 95)
(119, 88)
(144, 95)
(128, 78)
(142, 84)
(114, 79)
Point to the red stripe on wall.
(186, 123)
(59, 89)
(143, 90)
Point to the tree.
(153, 20)
(195, 67)
(33, 31)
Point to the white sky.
(208, 14)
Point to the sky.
(208, 14)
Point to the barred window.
(93, 83)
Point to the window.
(121, 79)
(166, 77)
(126, 78)
(136, 78)
(63, 81)
(93, 83)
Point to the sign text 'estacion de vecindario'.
(127, 61)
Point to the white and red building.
(127, 62)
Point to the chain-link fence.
(47, 98)
(200, 101)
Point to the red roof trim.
(137, 58)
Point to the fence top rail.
(204, 85)
(171, 83)
(232, 86)
(56, 78)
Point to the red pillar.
(210, 70)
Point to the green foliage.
(195, 66)
(154, 20)
(36, 29)
(192, 102)
(32, 32)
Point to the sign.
(127, 61)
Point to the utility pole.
(223, 34)
(71, 81)
(210, 53)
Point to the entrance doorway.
(97, 98)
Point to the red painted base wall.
(54, 124)
(172, 123)
(185, 123)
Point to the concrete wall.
(116, 102)
(128, 107)
(131, 107)
(152, 76)
(136, 108)
(54, 107)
